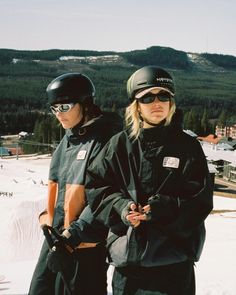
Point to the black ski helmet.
(149, 77)
(71, 87)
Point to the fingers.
(137, 208)
(137, 214)
(131, 218)
(140, 209)
(146, 208)
(143, 214)
(141, 217)
(134, 223)
(133, 207)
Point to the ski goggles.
(62, 108)
(150, 97)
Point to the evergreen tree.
(191, 121)
(205, 123)
(222, 120)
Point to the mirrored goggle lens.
(149, 98)
(62, 108)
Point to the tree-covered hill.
(163, 56)
(200, 90)
(6, 55)
(228, 62)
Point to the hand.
(133, 214)
(144, 214)
(59, 257)
(162, 208)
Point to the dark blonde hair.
(132, 118)
(90, 111)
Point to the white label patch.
(171, 162)
(81, 155)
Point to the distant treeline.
(6, 55)
(203, 96)
(164, 56)
(225, 61)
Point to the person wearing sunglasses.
(150, 185)
(73, 256)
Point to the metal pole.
(17, 155)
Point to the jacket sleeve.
(104, 189)
(86, 228)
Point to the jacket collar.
(161, 133)
(81, 127)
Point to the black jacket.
(66, 193)
(163, 159)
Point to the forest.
(205, 94)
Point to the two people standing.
(148, 185)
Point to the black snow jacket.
(66, 193)
(166, 160)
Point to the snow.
(23, 192)
(214, 152)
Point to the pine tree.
(222, 120)
(204, 123)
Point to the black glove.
(164, 209)
(60, 256)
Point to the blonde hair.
(132, 118)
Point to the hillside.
(164, 56)
(203, 81)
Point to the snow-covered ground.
(23, 193)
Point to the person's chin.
(156, 119)
(65, 126)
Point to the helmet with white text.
(149, 78)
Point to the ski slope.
(23, 193)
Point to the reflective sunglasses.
(62, 108)
(150, 97)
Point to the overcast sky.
(119, 25)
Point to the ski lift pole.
(17, 150)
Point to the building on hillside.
(4, 151)
(226, 131)
(230, 142)
(16, 150)
(220, 154)
(219, 143)
(23, 134)
(224, 161)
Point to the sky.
(124, 25)
(21, 237)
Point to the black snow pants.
(173, 279)
(87, 275)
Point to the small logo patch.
(81, 155)
(171, 162)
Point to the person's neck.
(147, 124)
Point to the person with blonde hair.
(150, 186)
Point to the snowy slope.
(23, 192)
